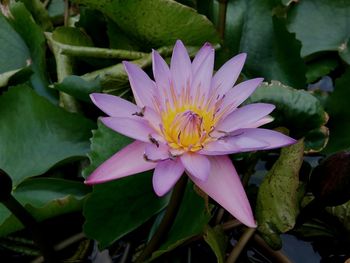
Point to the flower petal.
(157, 153)
(226, 76)
(166, 174)
(234, 97)
(225, 187)
(201, 79)
(142, 86)
(161, 72)
(113, 105)
(250, 139)
(180, 67)
(197, 165)
(138, 129)
(245, 117)
(201, 56)
(153, 117)
(127, 161)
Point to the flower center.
(187, 129)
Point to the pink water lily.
(188, 120)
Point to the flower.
(188, 120)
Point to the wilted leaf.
(277, 201)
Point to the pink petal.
(246, 117)
(226, 76)
(157, 153)
(197, 165)
(233, 145)
(201, 56)
(142, 86)
(166, 174)
(224, 186)
(152, 117)
(127, 161)
(161, 71)
(234, 97)
(113, 105)
(250, 139)
(203, 75)
(180, 67)
(137, 129)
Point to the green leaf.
(297, 110)
(190, 220)
(32, 34)
(39, 12)
(13, 49)
(273, 53)
(71, 36)
(156, 23)
(277, 202)
(55, 10)
(306, 17)
(44, 198)
(337, 106)
(217, 240)
(78, 87)
(5, 77)
(319, 68)
(342, 213)
(37, 135)
(118, 207)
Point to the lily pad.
(277, 201)
(33, 36)
(13, 49)
(44, 198)
(37, 134)
(118, 207)
(156, 23)
(297, 110)
(307, 16)
(337, 106)
(273, 53)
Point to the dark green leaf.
(44, 198)
(277, 201)
(79, 88)
(36, 135)
(39, 12)
(320, 67)
(321, 25)
(191, 220)
(156, 23)
(118, 207)
(339, 122)
(71, 36)
(33, 36)
(217, 240)
(273, 53)
(13, 50)
(297, 110)
(342, 213)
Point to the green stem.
(222, 17)
(96, 52)
(64, 68)
(167, 221)
(236, 251)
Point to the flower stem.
(222, 17)
(248, 233)
(167, 221)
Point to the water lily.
(188, 120)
